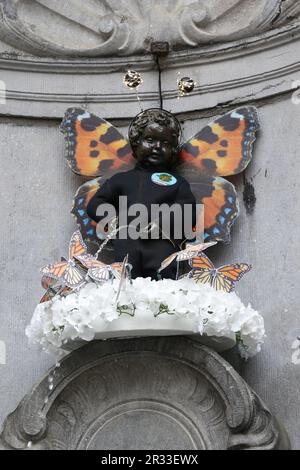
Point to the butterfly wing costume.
(97, 150)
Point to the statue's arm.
(185, 198)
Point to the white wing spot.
(84, 116)
(236, 115)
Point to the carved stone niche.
(95, 28)
(148, 393)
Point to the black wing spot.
(90, 124)
(222, 153)
(105, 165)
(224, 143)
(209, 165)
(122, 152)
(194, 151)
(93, 143)
(229, 123)
(110, 136)
(94, 153)
(208, 136)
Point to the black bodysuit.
(139, 187)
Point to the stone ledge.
(150, 387)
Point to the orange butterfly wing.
(67, 274)
(222, 283)
(48, 282)
(52, 292)
(100, 271)
(77, 246)
(94, 146)
(202, 262)
(221, 206)
(47, 296)
(82, 197)
(202, 269)
(223, 147)
(234, 272)
(56, 271)
(227, 276)
(64, 271)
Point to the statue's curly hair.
(149, 116)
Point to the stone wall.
(257, 67)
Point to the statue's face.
(156, 147)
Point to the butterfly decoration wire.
(97, 150)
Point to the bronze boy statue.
(154, 137)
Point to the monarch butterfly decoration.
(65, 276)
(96, 269)
(190, 252)
(53, 291)
(66, 271)
(97, 150)
(101, 272)
(223, 279)
(53, 287)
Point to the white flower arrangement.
(93, 308)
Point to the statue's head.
(154, 136)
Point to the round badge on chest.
(163, 179)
